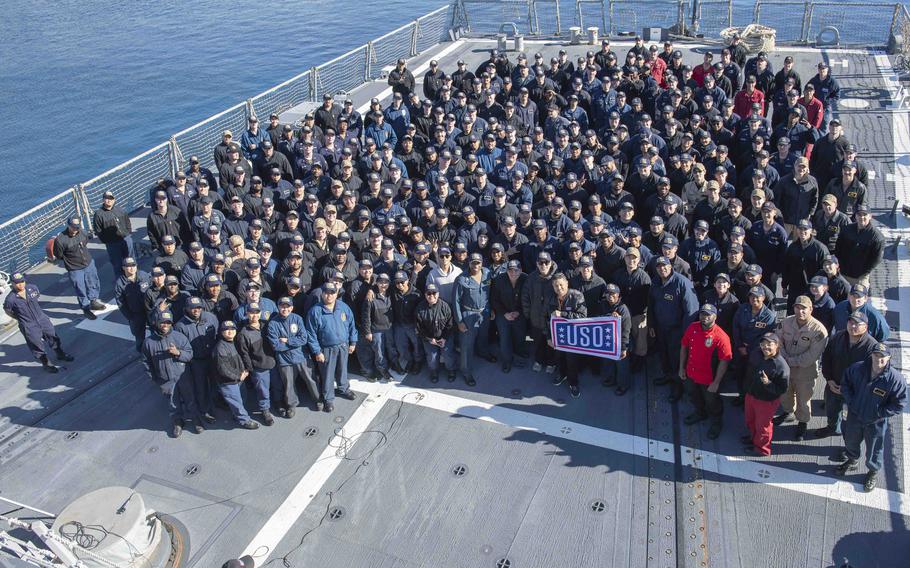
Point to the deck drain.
(503, 563)
(336, 513)
(191, 470)
(764, 473)
(566, 429)
(459, 470)
(72, 435)
(152, 450)
(598, 506)
(310, 431)
(339, 419)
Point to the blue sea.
(86, 85)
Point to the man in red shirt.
(707, 66)
(703, 343)
(742, 101)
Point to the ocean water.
(88, 84)
(85, 85)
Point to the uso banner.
(598, 337)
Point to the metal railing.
(22, 238)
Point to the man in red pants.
(766, 380)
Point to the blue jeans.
(478, 326)
(262, 383)
(234, 399)
(87, 285)
(117, 251)
(436, 355)
(873, 433)
(407, 345)
(374, 356)
(511, 337)
(834, 409)
(335, 369)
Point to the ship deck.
(512, 473)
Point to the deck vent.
(191, 470)
(72, 436)
(310, 431)
(459, 470)
(598, 506)
(503, 563)
(336, 513)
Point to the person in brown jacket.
(803, 340)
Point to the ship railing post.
(415, 31)
(558, 20)
(368, 55)
(807, 22)
(79, 204)
(314, 82)
(173, 156)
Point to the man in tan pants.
(802, 342)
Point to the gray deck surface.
(526, 496)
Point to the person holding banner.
(672, 305)
(703, 360)
(533, 306)
(617, 372)
(568, 304)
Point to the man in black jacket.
(505, 300)
(258, 359)
(860, 247)
(846, 347)
(230, 373)
(617, 373)
(435, 323)
(112, 225)
(405, 299)
(803, 260)
(71, 246)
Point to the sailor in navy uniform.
(874, 391)
(167, 354)
(129, 292)
(22, 305)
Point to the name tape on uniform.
(598, 337)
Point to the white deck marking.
(283, 519)
(418, 70)
(109, 328)
(766, 473)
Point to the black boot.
(48, 366)
(63, 355)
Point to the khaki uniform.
(801, 348)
